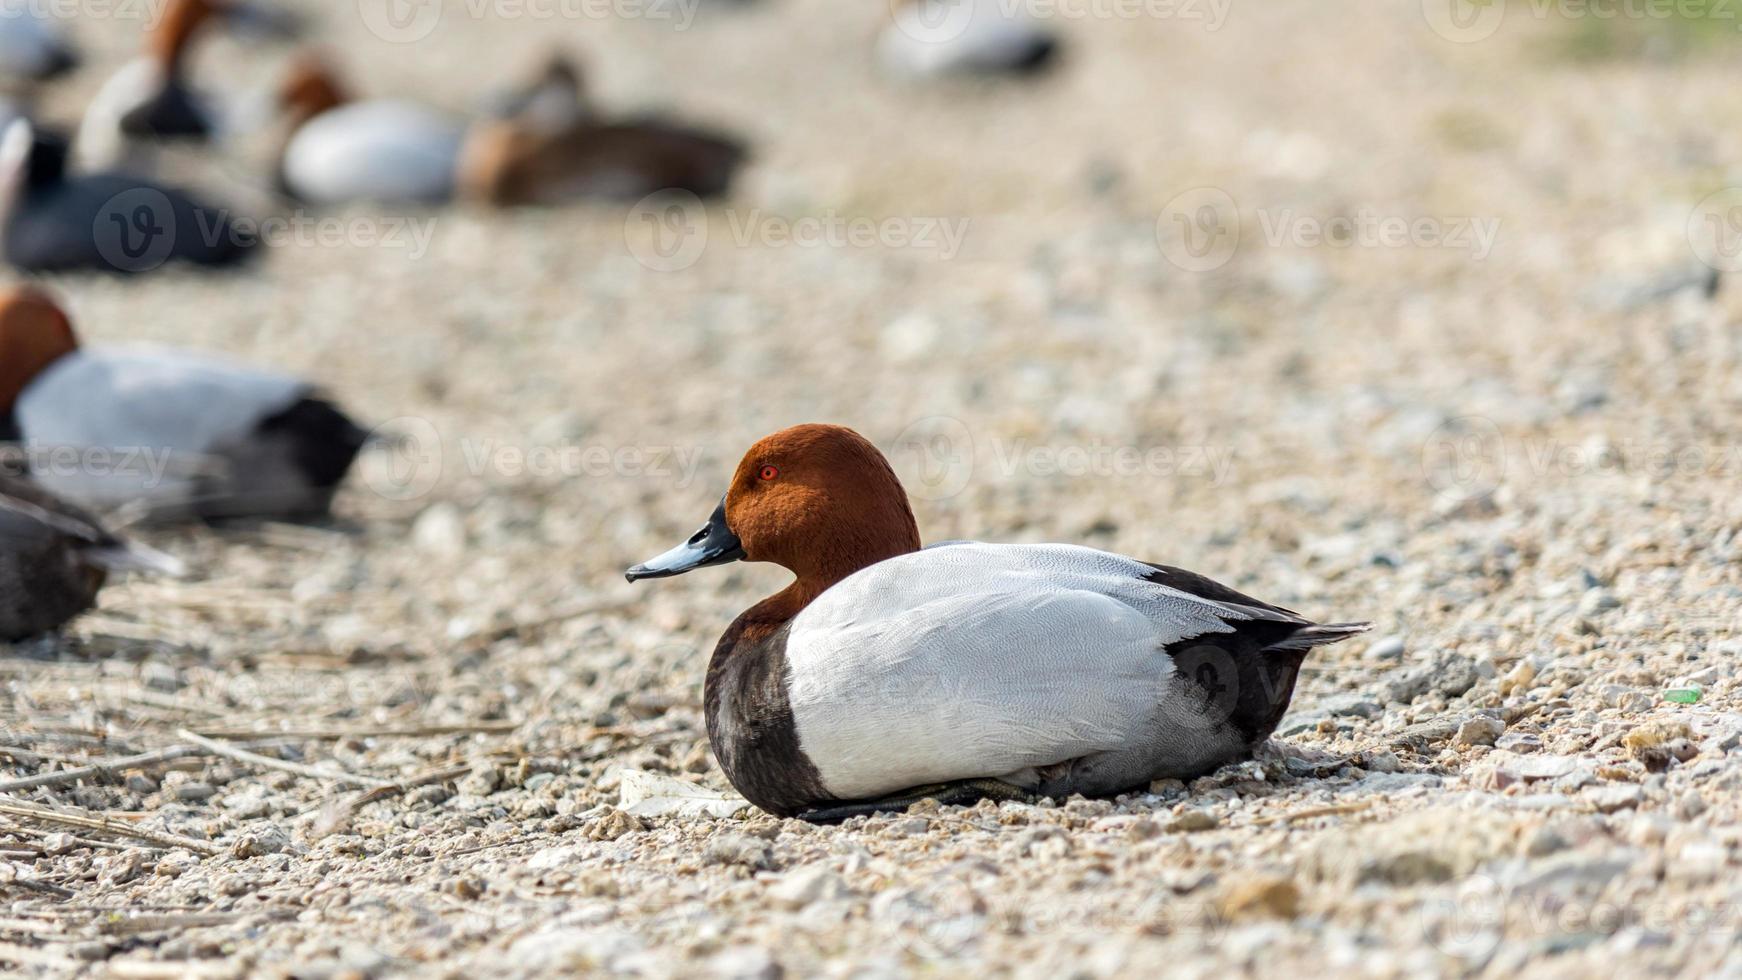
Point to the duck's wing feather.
(979, 660)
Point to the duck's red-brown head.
(169, 41)
(310, 88)
(818, 500)
(34, 333)
(171, 38)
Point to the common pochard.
(54, 558)
(887, 672)
(164, 431)
(932, 38)
(55, 221)
(543, 145)
(150, 99)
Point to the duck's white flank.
(381, 150)
(939, 37)
(983, 660)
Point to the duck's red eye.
(770, 472)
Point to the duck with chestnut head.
(541, 144)
(887, 672)
(150, 100)
(168, 432)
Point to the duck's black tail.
(1308, 637)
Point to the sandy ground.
(1501, 422)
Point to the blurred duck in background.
(337, 149)
(543, 144)
(181, 435)
(33, 48)
(53, 221)
(149, 100)
(55, 557)
(930, 38)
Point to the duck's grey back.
(161, 420)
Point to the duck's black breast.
(750, 722)
(45, 578)
(174, 113)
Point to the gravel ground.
(1501, 422)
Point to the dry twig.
(313, 772)
(88, 821)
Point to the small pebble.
(195, 792)
(1480, 730)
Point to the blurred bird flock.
(429, 318)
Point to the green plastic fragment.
(1682, 695)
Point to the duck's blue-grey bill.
(714, 544)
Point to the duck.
(55, 221)
(338, 149)
(541, 146)
(888, 672)
(167, 433)
(33, 47)
(149, 100)
(937, 38)
(54, 558)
